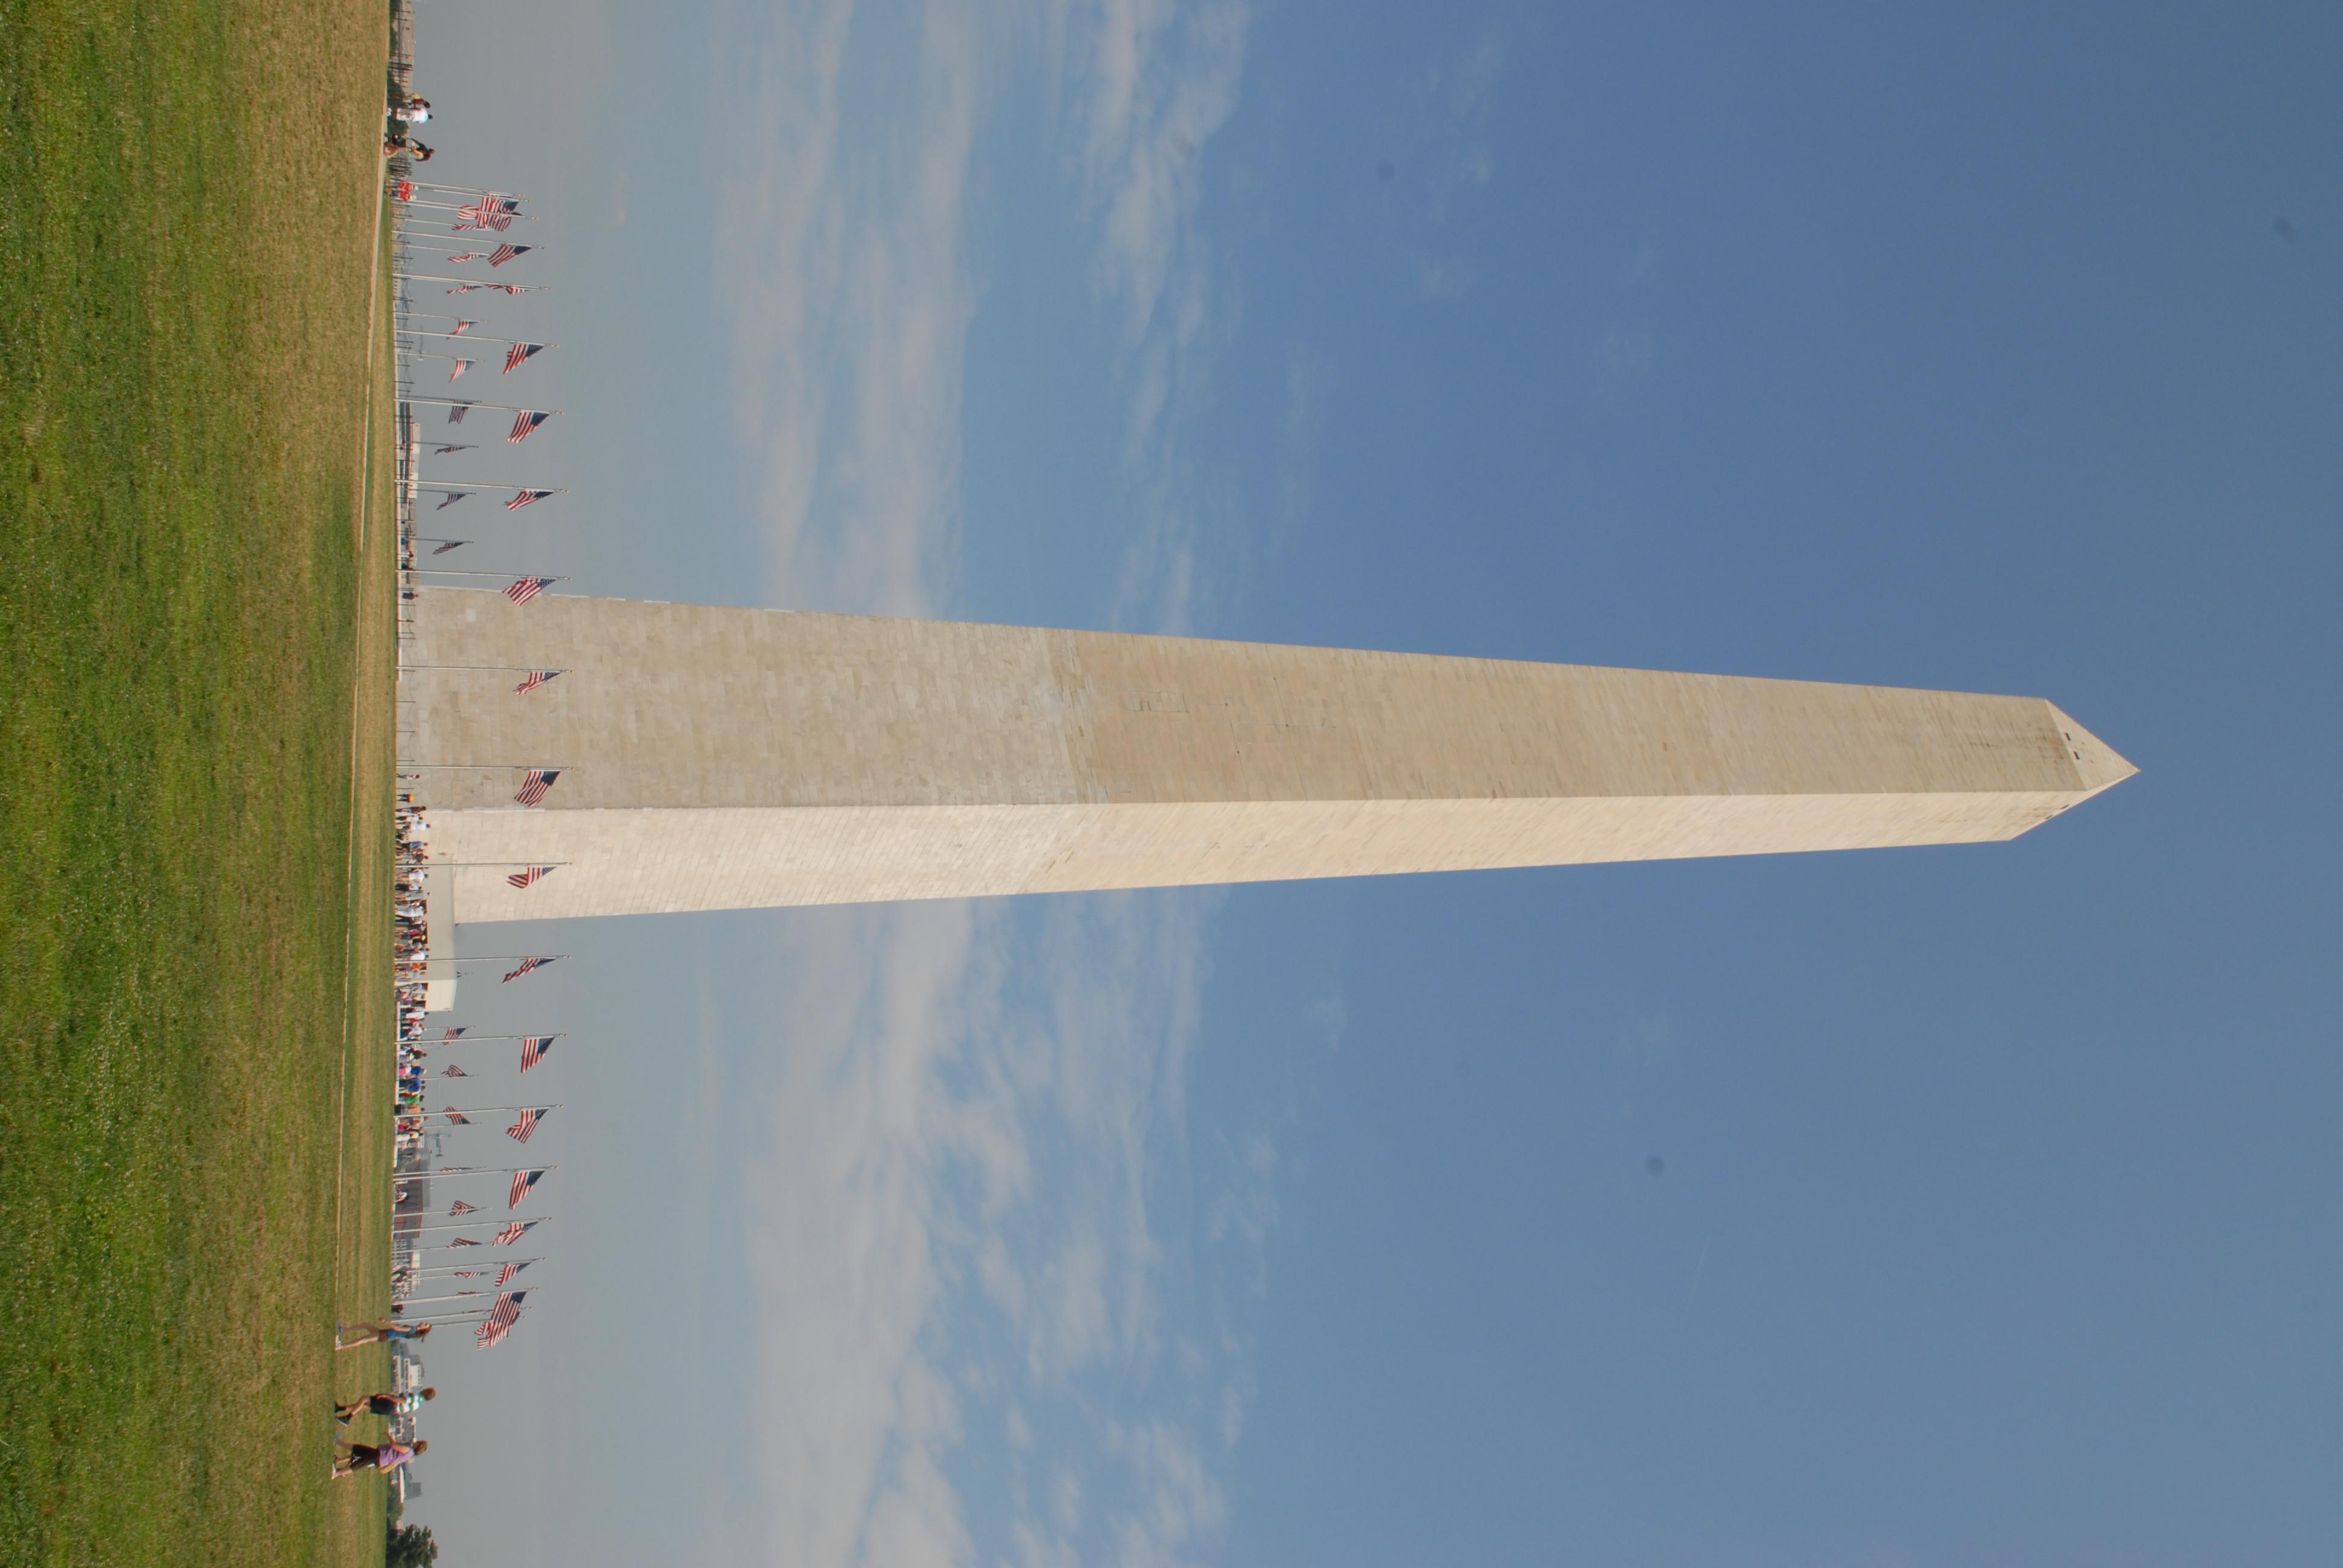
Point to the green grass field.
(194, 767)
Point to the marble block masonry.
(718, 758)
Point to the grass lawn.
(194, 767)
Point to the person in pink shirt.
(385, 1456)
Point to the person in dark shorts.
(385, 1404)
(376, 1333)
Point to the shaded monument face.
(728, 759)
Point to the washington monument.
(712, 758)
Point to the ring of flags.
(469, 211)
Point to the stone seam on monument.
(717, 758)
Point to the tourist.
(379, 1331)
(375, 1456)
(385, 1404)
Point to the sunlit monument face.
(728, 759)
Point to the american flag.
(518, 352)
(460, 325)
(526, 497)
(457, 1033)
(470, 255)
(455, 1117)
(527, 589)
(468, 288)
(528, 876)
(465, 1275)
(500, 1321)
(452, 1070)
(505, 253)
(466, 1241)
(461, 365)
(515, 1232)
(522, 1182)
(534, 1048)
(485, 212)
(461, 1208)
(450, 447)
(456, 412)
(526, 965)
(521, 1130)
(533, 787)
(530, 682)
(505, 1275)
(447, 545)
(453, 496)
(524, 422)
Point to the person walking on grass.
(384, 1456)
(378, 1332)
(386, 1405)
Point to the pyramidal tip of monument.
(2100, 765)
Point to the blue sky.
(1957, 1206)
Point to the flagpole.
(472, 1109)
(521, 1262)
(466, 337)
(429, 244)
(469, 1039)
(421, 1269)
(499, 408)
(489, 221)
(477, 1171)
(481, 485)
(475, 282)
(519, 667)
(452, 572)
(486, 191)
(413, 205)
(459, 1225)
(419, 1252)
(458, 190)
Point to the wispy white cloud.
(1161, 80)
(839, 255)
(1451, 104)
(973, 1204)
